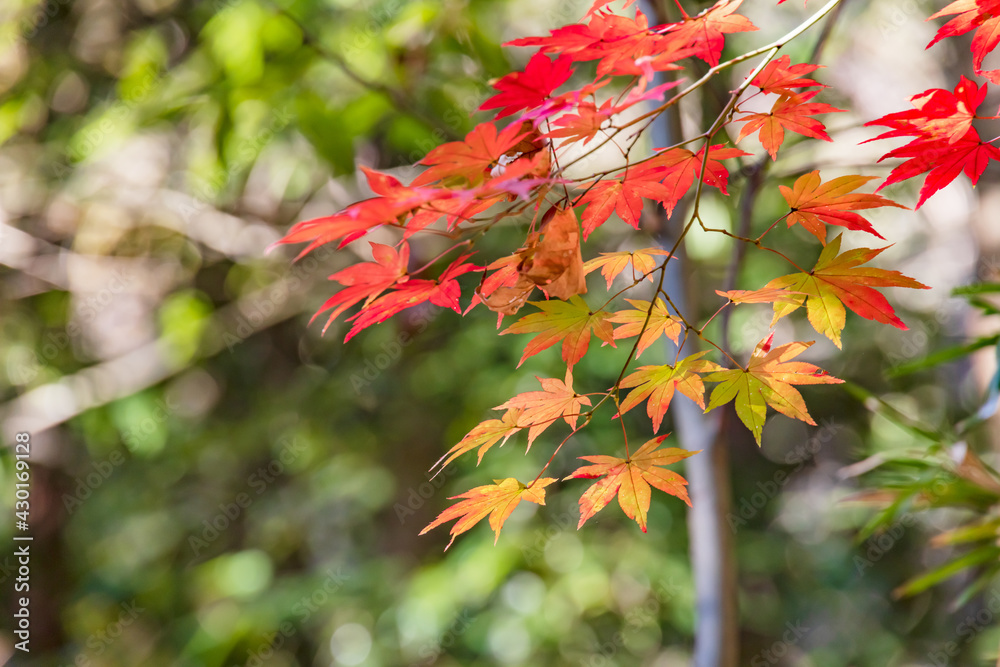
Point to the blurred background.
(216, 483)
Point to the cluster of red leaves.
(517, 166)
(944, 142)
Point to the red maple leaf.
(528, 89)
(365, 281)
(665, 178)
(937, 114)
(583, 125)
(616, 41)
(983, 16)
(789, 111)
(942, 160)
(445, 292)
(706, 32)
(944, 142)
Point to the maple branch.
(587, 417)
(770, 49)
(467, 242)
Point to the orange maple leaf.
(767, 380)
(814, 203)
(760, 296)
(497, 500)
(568, 321)
(789, 111)
(660, 323)
(630, 479)
(484, 436)
(613, 263)
(657, 383)
(542, 408)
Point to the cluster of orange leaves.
(516, 166)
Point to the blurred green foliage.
(214, 483)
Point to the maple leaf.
(484, 436)
(780, 77)
(617, 42)
(444, 292)
(760, 296)
(630, 479)
(568, 321)
(657, 383)
(936, 114)
(497, 500)
(944, 143)
(528, 89)
(789, 111)
(814, 203)
(583, 125)
(767, 380)
(506, 290)
(599, 4)
(706, 32)
(838, 280)
(556, 264)
(666, 178)
(983, 16)
(943, 161)
(613, 263)
(660, 323)
(539, 409)
(365, 281)
(472, 158)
